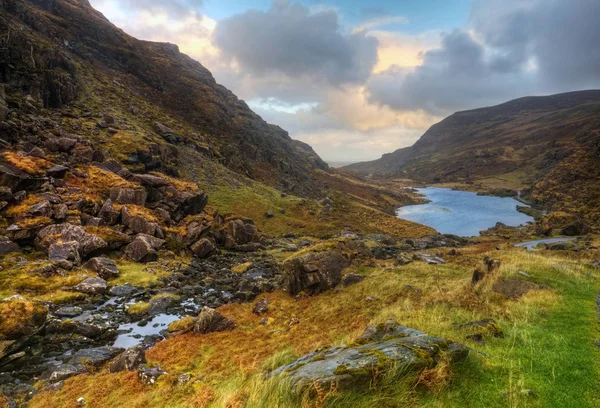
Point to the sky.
(359, 78)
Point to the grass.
(548, 348)
(33, 166)
(138, 274)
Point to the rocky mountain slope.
(531, 142)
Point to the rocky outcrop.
(210, 321)
(313, 273)
(384, 348)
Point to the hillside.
(522, 144)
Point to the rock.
(313, 273)
(203, 248)
(386, 331)
(83, 328)
(269, 214)
(151, 181)
(128, 195)
(60, 211)
(105, 267)
(492, 265)
(69, 311)
(575, 229)
(162, 129)
(17, 180)
(124, 290)
(86, 242)
(210, 321)
(355, 248)
(189, 204)
(143, 248)
(91, 286)
(430, 259)
(63, 372)
(514, 288)
(64, 250)
(161, 304)
(403, 259)
(130, 360)
(183, 379)
(58, 171)
(351, 279)
(5, 194)
(401, 349)
(95, 357)
(261, 306)
(108, 214)
(239, 232)
(7, 246)
(137, 224)
(66, 144)
(149, 375)
(196, 230)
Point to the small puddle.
(531, 245)
(136, 334)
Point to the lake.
(463, 213)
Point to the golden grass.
(24, 206)
(98, 183)
(33, 166)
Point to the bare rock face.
(210, 321)
(383, 349)
(313, 273)
(105, 267)
(86, 242)
(144, 248)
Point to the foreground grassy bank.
(547, 357)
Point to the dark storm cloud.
(290, 40)
(513, 49)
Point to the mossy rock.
(20, 317)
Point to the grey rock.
(127, 195)
(7, 246)
(261, 306)
(92, 286)
(351, 279)
(144, 248)
(203, 248)
(149, 375)
(105, 267)
(64, 371)
(65, 250)
(95, 356)
(161, 305)
(86, 242)
(403, 259)
(69, 311)
(355, 367)
(130, 360)
(429, 258)
(58, 171)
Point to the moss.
(20, 209)
(138, 274)
(28, 223)
(20, 317)
(138, 309)
(33, 166)
(184, 324)
(341, 370)
(164, 295)
(241, 268)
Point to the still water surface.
(462, 212)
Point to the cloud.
(381, 21)
(289, 39)
(510, 49)
(174, 8)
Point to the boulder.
(66, 144)
(83, 328)
(261, 306)
(515, 288)
(92, 286)
(108, 214)
(137, 224)
(130, 360)
(429, 258)
(151, 181)
(160, 305)
(68, 311)
(210, 321)
(189, 204)
(162, 129)
(144, 248)
(65, 250)
(128, 195)
(105, 267)
(5, 194)
(20, 318)
(63, 371)
(394, 349)
(269, 214)
(86, 242)
(313, 273)
(239, 232)
(7, 246)
(203, 248)
(403, 259)
(17, 180)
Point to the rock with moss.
(130, 360)
(144, 248)
(86, 243)
(20, 317)
(313, 273)
(105, 267)
(91, 286)
(210, 321)
(356, 367)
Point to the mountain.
(531, 142)
(61, 52)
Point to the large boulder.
(144, 248)
(137, 224)
(237, 233)
(313, 273)
(17, 180)
(108, 214)
(210, 321)
(392, 349)
(105, 267)
(86, 243)
(128, 195)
